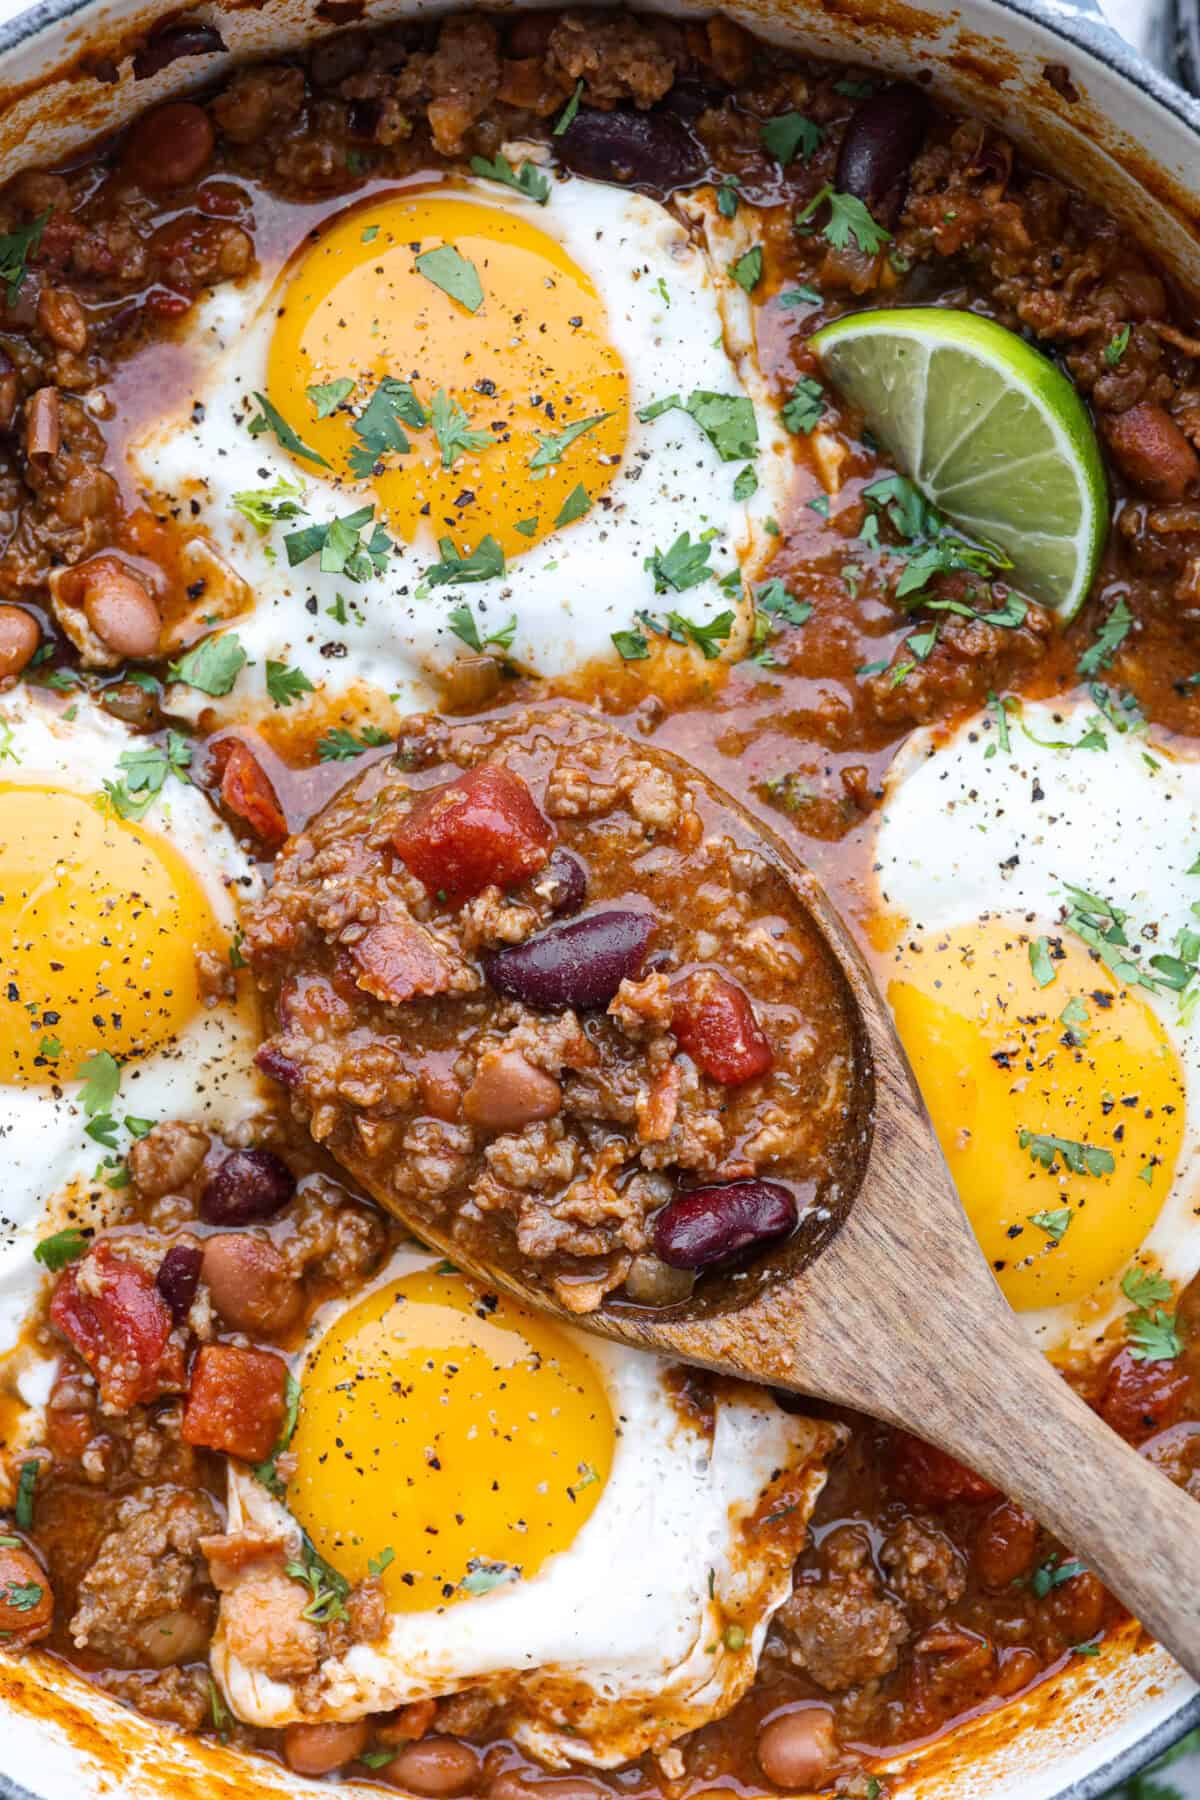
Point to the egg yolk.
(467, 1436)
(1060, 1108)
(512, 350)
(102, 920)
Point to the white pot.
(1133, 141)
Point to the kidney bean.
(710, 1224)
(564, 882)
(635, 149)
(249, 1186)
(320, 1749)
(169, 146)
(797, 1751)
(250, 1283)
(19, 638)
(883, 137)
(508, 1092)
(119, 609)
(178, 1278)
(168, 43)
(434, 1766)
(580, 964)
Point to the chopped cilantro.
(341, 546)
(1108, 640)
(631, 645)
(800, 296)
(528, 179)
(54, 1253)
(456, 275)
(1054, 1224)
(574, 506)
(268, 1472)
(452, 429)
(379, 427)
(484, 563)
(340, 745)
(271, 419)
(1116, 347)
(1052, 1573)
(461, 621)
(143, 773)
(789, 134)
(684, 565)
(727, 420)
(566, 117)
(482, 1576)
(23, 1510)
(212, 666)
(285, 685)
(746, 484)
(774, 598)
(1040, 963)
(552, 445)
(377, 1564)
(329, 1590)
(849, 221)
(1080, 1159)
(264, 506)
(747, 270)
(804, 406)
(727, 196)
(16, 248)
(327, 396)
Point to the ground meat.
(841, 1629)
(258, 100)
(146, 1600)
(617, 56)
(922, 1566)
(176, 1696)
(167, 1159)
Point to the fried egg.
(1038, 895)
(549, 1517)
(471, 375)
(111, 891)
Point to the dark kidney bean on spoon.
(178, 1278)
(249, 1186)
(884, 135)
(710, 1224)
(580, 964)
(632, 148)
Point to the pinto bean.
(797, 1750)
(882, 139)
(249, 1186)
(119, 609)
(508, 1092)
(710, 1224)
(251, 1285)
(26, 1598)
(61, 318)
(43, 423)
(1152, 451)
(169, 147)
(434, 1766)
(320, 1749)
(19, 638)
(634, 149)
(511, 1786)
(651, 1282)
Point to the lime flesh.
(992, 433)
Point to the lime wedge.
(992, 433)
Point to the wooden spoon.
(899, 1315)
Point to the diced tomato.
(1140, 1398)
(482, 828)
(237, 1401)
(932, 1478)
(715, 1024)
(398, 959)
(111, 1311)
(246, 790)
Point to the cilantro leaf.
(746, 485)
(1040, 963)
(684, 565)
(1080, 1159)
(267, 1472)
(101, 1078)
(456, 275)
(452, 429)
(707, 638)
(482, 1576)
(461, 621)
(1108, 640)
(727, 197)
(1116, 347)
(16, 248)
(566, 117)
(790, 133)
(800, 296)
(804, 406)
(328, 1588)
(775, 599)
(747, 270)
(574, 506)
(271, 419)
(339, 745)
(23, 1509)
(484, 563)
(54, 1253)
(341, 546)
(1152, 1336)
(143, 773)
(1101, 926)
(631, 646)
(1145, 1288)
(551, 445)
(327, 396)
(212, 666)
(849, 221)
(528, 179)
(378, 428)
(285, 685)
(1054, 1224)
(263, 506)
(727, 420)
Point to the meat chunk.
(618, 56)
(923, 1567)
(146, 1601)
(840, 1628)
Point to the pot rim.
(1086, 31)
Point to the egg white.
(969, 829)
(621, 1634)
(205, 1075)
(569, 592)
